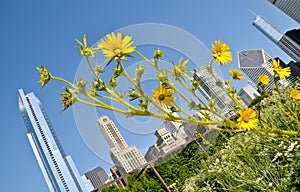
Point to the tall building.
(192, 129)
(256, 62)
(126, 158)
(289, 7)
(165, 144)
(290, 42)
(247, 94)
(58, 169)
(284, 41)
(210, 90)
(97, 176)
(267, 29)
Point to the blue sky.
(34, 33)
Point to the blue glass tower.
(58, 169)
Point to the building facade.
(97, 176)
(267, 29)
(210, 90)
(58, 169)
(290, 42)
(126, 158)
(165, 144)
(256, 62)
(289, 7)
(286, 41)
(247, 94)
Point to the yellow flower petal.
(116, 46)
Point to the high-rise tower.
(289, 7)
(290, 42)
(256, 62)
(58, 169)
(97, 176)
(126, 158)
(267, 29)
(284, 41)
(210, 90)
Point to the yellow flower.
(84, 49)
(282, 72)
(116, 47)
(264, 79)
(248, 119)
(236, 74)
(295, 94)
(180, 66)
(44, 75)
(163, 95)
(221, 52)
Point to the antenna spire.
(252, 12)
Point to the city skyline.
(48, 31)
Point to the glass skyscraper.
(289, 7)
(58, 169)
(210, 90)
(268, 29)
(284, 41)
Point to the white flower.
(258, 179)
(270, 184)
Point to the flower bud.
(112, 82)
(133, 95)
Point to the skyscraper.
(247, 94)
(58, 169)
(290, 42)
(267, 29)
(126, 158)
(284, 41)
(256, 62)
(97, 176)
(165, 144)
(210, 90)
(289, 7)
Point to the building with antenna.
(284, 41)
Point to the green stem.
(64, 81)
(138, 87)
(282, 98)
(91, 68)
(237, 102)
(147, 60)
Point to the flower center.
(117, 51)
(161, 97)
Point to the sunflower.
(295, 94)
(44, 75)
(116, 47)
(282, 72)
(236, 74)
(221, 52)
(248, 119)
(163, 95)
(263, 79)
(84, 50)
